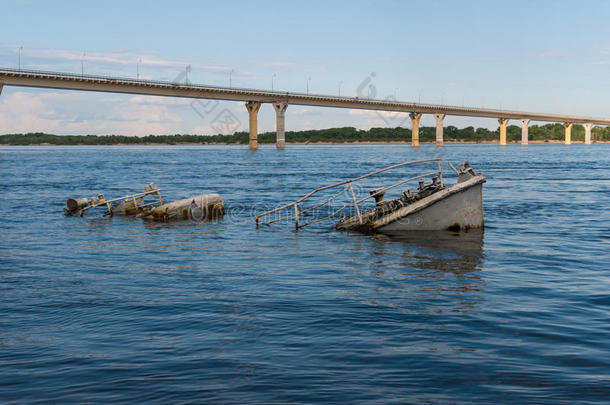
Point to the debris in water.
(200, 207)
(149, 204)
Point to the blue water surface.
(100, 309)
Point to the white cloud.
(22, 112)
(50, 59)
(361, 112)
(118, 57)
(304, 111)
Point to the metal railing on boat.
(298, 213)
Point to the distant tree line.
(332, 135)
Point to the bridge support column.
(415, 129)
(524, 131)
(568, 127)
(588, 133)
(280, 124)
(503, 122)
(253, 107)
(439, 128)
(1, 86)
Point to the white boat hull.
(459, 211)
(456, 208)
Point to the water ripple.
(101, 309)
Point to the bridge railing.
(279, 95)
(224, 88)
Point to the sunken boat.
(150, 205)
(433, 206)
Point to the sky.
(539, 56)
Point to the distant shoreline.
(548, 133)
(453, 142)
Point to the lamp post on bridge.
(308, 80)
(340, 83)
(138, 69)
(187, 69)
(82, 65)
(230, 78)
(396, 94)
(272, 78)
(20, 49)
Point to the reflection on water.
(463, 243)
(460, 253)
(440, 270)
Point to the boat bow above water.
(432, 207)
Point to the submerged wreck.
(150, 205)
(432, 207)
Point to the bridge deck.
(53, 80)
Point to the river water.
(100, 309)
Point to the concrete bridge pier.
(1, 86)
(568, 127)
(415, 129)
(524, 131)
(502, 122)
(253, 107)
(439, 128)
(280, 124)
(588, 133)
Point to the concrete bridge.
(280, 101)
